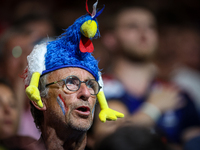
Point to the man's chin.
(139, 57)
(81, 124)
(81, 127)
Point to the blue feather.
(99, 12)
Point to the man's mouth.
(83, 111)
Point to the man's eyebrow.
(89, 78)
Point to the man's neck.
(135, 76)
(69, 139)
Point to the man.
(70, 83)
(65, 125)
(135, 42)
(152, 103)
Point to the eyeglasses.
(73, 83)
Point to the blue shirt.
(172, 123)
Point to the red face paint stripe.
(63, 102)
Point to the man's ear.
(39, 108)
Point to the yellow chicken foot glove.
(32, 90)
(106, 113)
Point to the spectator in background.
(9, 118)
(16, 43)
(9, 113)
(188, 47)
(178, 61)
(152, 102)
(187, 71)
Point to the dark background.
(64, 12)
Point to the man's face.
(136, 33)
(69, 108)
(8, 112)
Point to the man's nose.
(83, 92)
(143, 33)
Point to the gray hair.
(42, 88)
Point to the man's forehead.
(131, 15)
(64, 72)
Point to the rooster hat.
(73, 48)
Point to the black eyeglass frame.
(99, 87)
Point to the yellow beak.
(89, 28)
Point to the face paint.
(61, 103)
(93, 112)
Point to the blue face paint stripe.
(61, 104)
(93, 111)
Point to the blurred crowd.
(149, 53)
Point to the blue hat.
(65, 51)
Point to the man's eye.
(93, 86)
(90, 85)
(70, 81)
